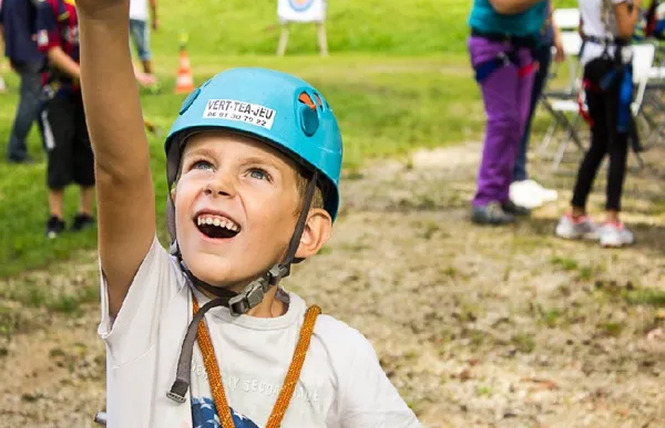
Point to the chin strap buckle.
(253, 294)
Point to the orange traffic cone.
(184, 83)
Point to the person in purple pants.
(504, 33)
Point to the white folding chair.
(562, 104)
(653, 105)
(568, 22)
(567, 19)
(643, 59)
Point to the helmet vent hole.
(307, 100)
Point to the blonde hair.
(301, 184)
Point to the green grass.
(646, 296)
(566, 264)
(372, 26)
(523, 342)
(398, 78)
(376, 26)
(386, 106)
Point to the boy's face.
(248, 191)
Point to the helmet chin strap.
(238, 303)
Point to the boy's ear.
(316, 233)
(172, 193)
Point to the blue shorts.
(139, 31)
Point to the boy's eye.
(204, 165)
(259, 174)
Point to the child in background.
(63, 122)
(608, 28)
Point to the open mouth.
(216, 226)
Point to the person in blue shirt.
(525, 191)
(504, 34)
(17, 19)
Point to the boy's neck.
(270, 306)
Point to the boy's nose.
(220, 187)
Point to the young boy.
(253, 167)
(64, 130)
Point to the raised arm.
(125, 196)
(512, 7)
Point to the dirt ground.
(476, 326)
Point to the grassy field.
(385, 107)
(371, 26)
(395, 84)
(482, 327)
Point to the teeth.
(217, 221)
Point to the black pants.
(544, 57)
(70, 157)
(604, 110)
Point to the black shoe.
(511, 208)
(82, 221)
(54, 227)
(491, 213)
(23, 161)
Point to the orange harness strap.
(292, 375)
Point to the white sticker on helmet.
(240, 111)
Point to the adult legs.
(618, 153)
(505, 96)
(27, 110)
(140, 34)
(543, 56)
(600, 134)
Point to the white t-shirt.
(599, 21)
(138, 10)
(341, 383)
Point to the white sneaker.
(576, 228)
(615, 235)
(524, 194)
(547, 195)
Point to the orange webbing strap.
(292, 375)
(212, 369)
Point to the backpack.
(655, 20)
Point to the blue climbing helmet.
(280, 109)
(283, 111)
